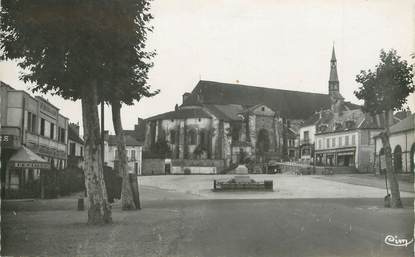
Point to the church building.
(229, 122)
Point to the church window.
(192, 137)
(172, 137)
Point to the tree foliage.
(59, 44)
(388, 86)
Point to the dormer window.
(337, 126)
(263, 109)
(322, 127)
(350, 124)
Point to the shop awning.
(25, 158)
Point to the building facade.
(75, 147)
(33, 123)
(134, 153)
(402, 142)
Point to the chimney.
(75, 127)
(185, 96)
(176, 107)
(139, 121)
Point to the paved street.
(176, 223)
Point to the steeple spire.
(333, 55)
(333, 67)
(334, 90)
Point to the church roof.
(226, 112)
(182, 113)
(290, 104)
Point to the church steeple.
(333, 80)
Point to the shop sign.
(32, 165)
(46, 108)
(345, 153)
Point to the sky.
(283, 44)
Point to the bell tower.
(334, 79)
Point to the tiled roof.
(182, 113)
(291, 104)
(404, 125)
(129, 141)
(315, 119)
(347, 120)
(72, 135)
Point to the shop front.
(346, 159)
(338, 157)
(22, 174)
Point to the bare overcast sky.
(280, 44)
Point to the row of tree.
(88, 50)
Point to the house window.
(346, 140)
(333, 142)
(328, 143)
(263, 109)
(81, 151)
(116, 154)
(340, 141)
(319, 144)
(133, 155)
(192, 137)
(306, 135)
(34, 121)
(52, 130)
(29, 121)
(61, 135)
(72, 149)
(353, 139)
(42, 126)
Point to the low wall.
(153, 167)
(197, 166)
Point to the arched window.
(397, 158)
(192, 137)
(202, 135)
(263, 141)
(172, 136)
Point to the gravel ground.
(285, 186)
(282, 227)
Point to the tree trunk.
(127, 199)
(390, 173)
(99, 210)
